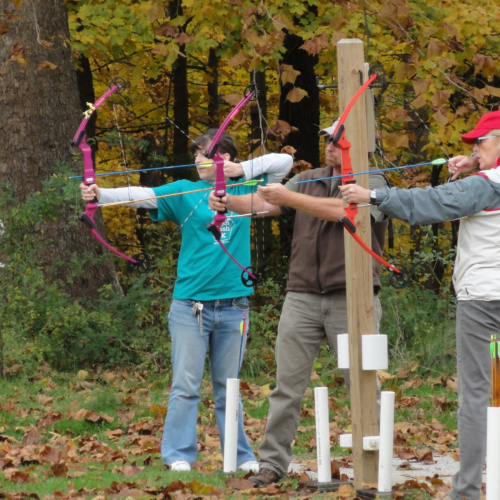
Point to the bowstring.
(428, 129)
(125, 163)
(186, 134)
(383, 157)
(261, 120)
(180, 130)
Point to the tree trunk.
(213, 89)
(181, 100)
(40, 112)
(303, 114)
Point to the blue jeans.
(219, 330)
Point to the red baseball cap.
(487, 123)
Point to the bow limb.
(88, 219)
(220, 189)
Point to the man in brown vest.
(315, 307)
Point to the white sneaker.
(251, 465)
(180, 465)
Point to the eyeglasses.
(479, 140)
(329, 139)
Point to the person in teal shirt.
(209, 301)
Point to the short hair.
(226, 143)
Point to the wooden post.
(359, 279)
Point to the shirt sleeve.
(374, 182)
(276, 166)
(292, 186)
(128, 193)
(450, 201)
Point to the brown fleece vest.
(317, 262)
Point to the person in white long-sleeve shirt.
(210, 305)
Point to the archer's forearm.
(331, 209)
(244, 204)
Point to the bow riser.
(88, 170)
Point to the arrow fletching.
(439, 161)
(252, 182)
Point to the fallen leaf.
(31, 437)
(59, 470)
(17, 476)
(44, 400)
(239, 483)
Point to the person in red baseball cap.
(485, 139)
(475, 200)
(487, 123)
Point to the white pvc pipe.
(322, 434)
(374, 352)
(231, 427)
(343, 351)
(493, 454)
(386, 441)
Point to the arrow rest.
(141, 265)
(399, 280)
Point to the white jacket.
(477, 267)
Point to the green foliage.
(420, 322)
(41, 322)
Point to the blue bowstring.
(135, 171)
(370, 172)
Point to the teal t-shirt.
(204, 271)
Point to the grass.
(109, 427)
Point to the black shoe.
(265, 477)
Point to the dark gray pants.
(476, 322)
(306, 322)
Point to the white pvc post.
(343, 351)
(493, 454)
(386, 441)
(374, 352)
(231, 427)
(322, 434)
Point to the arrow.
(438, 161)
(251, 182)
(205, 164)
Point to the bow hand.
(355, 194)
(90, 193)
(217, 204)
